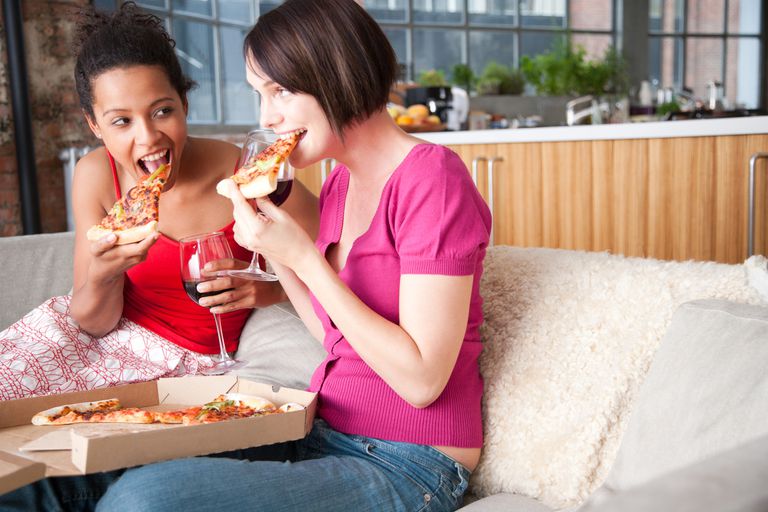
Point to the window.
(437, 34)
(209, 37)
(693, 43)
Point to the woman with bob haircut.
(390, 287)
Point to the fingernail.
(208, 267)
(111, 237)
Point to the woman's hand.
(110, 261)
(271, 231)
(237, 293)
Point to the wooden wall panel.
(567, 195)
(519, 196)
(629, 167)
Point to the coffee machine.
(450, 104)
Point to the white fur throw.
(568, 338)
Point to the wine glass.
(255, 142)
(196, 251)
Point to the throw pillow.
(732, 481)
(706, 392)
(278, 348)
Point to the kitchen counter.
(649, 130)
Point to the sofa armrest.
(506, 502)
(35, 268)
(732, 480)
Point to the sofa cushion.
(568, 337)
(38, 267)
(706, 391)
(278, 348)
(504, 502)
(732, 481)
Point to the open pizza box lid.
(29, 453)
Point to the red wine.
(281, 192)
(191, 288)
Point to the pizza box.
(29, 453)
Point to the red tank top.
(154, 297)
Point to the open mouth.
(150, 163)
(287, 135)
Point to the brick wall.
(54, 110)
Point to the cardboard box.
(29, 453)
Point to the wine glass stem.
(254, 266)
(222, 348)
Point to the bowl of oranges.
(415, 118)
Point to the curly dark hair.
(129, 37)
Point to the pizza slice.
(135, 215)
(73, 413)
(231, 406)
(258, 176)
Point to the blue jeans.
(327, 470)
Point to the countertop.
(649, 130)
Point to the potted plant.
(463, 77)
(432, 78)
(499, 79)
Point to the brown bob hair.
(330, 49)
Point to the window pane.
(744, 17)
(238, 100)
(492, 12)
(533, 43)
(666, 16)
(742, 78)
(704, 63)
(594, 44)
(193, 6)
(665, 60)
(267, 5)
(387, 10)
(706, 16)
(542, 13)
(489, 46)
(591, 14)
(194, 46)
(157, 4)
(437, 49)
(398, 39)
(236, 10)
(438, 11)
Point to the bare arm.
(97, 299)
(302, 206)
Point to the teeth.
(154, 156)
(288, 135)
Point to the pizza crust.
(124, 236)
(260, 186)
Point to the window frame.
(684, 35)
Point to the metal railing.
(751, 218)
(69, 157)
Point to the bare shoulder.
(92, 181)
(214, 154)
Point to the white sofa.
(612, 383)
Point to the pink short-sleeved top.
(430, 220)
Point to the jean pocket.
(460, 482)
(403, 468)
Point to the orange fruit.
(418, 111)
